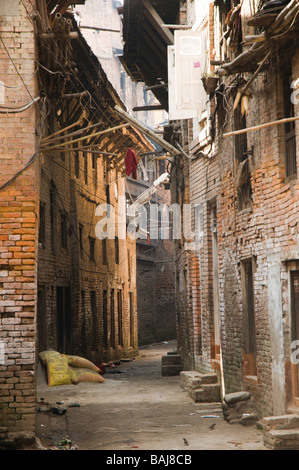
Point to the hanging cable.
(16, 69)
(11, 110)
(33, 158)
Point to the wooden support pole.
(261, 126)
(71, 35)
(49, 140)
(88, 136)
(255, 38)
(157, 22)
(72, 149)
(100, 29)
(153, 107)
(159, 85)
(148, 132)
(49, 137)
(76, 95)
(176, 26)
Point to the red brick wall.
(269, 232)
(18, 224)
(266, 233)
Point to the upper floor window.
(289, 127)
(42, 225)
(63, 230)
(243, 183)
(92, 248)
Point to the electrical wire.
(34, 156)
(12, 110)
(18, 86)
(12, 61)
(70, 75)
(32, 159)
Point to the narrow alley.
(137, 409)
(149, 225)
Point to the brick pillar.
(18, 224)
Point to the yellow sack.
(57, 368)
(76, 361)
(81, 374)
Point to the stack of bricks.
(18, 222)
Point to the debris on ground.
(209, 416)
(116, 371)
(65, 444)
(59, 408)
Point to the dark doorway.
(41, 319)
(93, 305)
(248, 269)
(112, 319)
(131, 319)
(295, 329)
(63, 306)
(120, 318)
(105, 318)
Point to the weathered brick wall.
(204, 181)
(18, 226)
(73, 266)
(268, 232)
(184, 287)
(165, 282)
(156, 292)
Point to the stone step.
(283, 439)
(193, 379)
(281, 432)
(171, 369)
(171, 359)
(281, 422)
(207, 393)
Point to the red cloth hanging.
(131, 163)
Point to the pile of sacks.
(63, 369)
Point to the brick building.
(62, 156)
(256, 206)
(19, 222)
(237, 291)
(101, 25)
(154, 259)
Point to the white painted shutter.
(190, 63)
(173, 111)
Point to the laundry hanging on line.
(131, 163)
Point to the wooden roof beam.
(155, 44)
(157, 23)
(148, 132)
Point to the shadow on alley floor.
(137, 408)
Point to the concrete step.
(171, 369)
(171, 359)
(209, 393)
